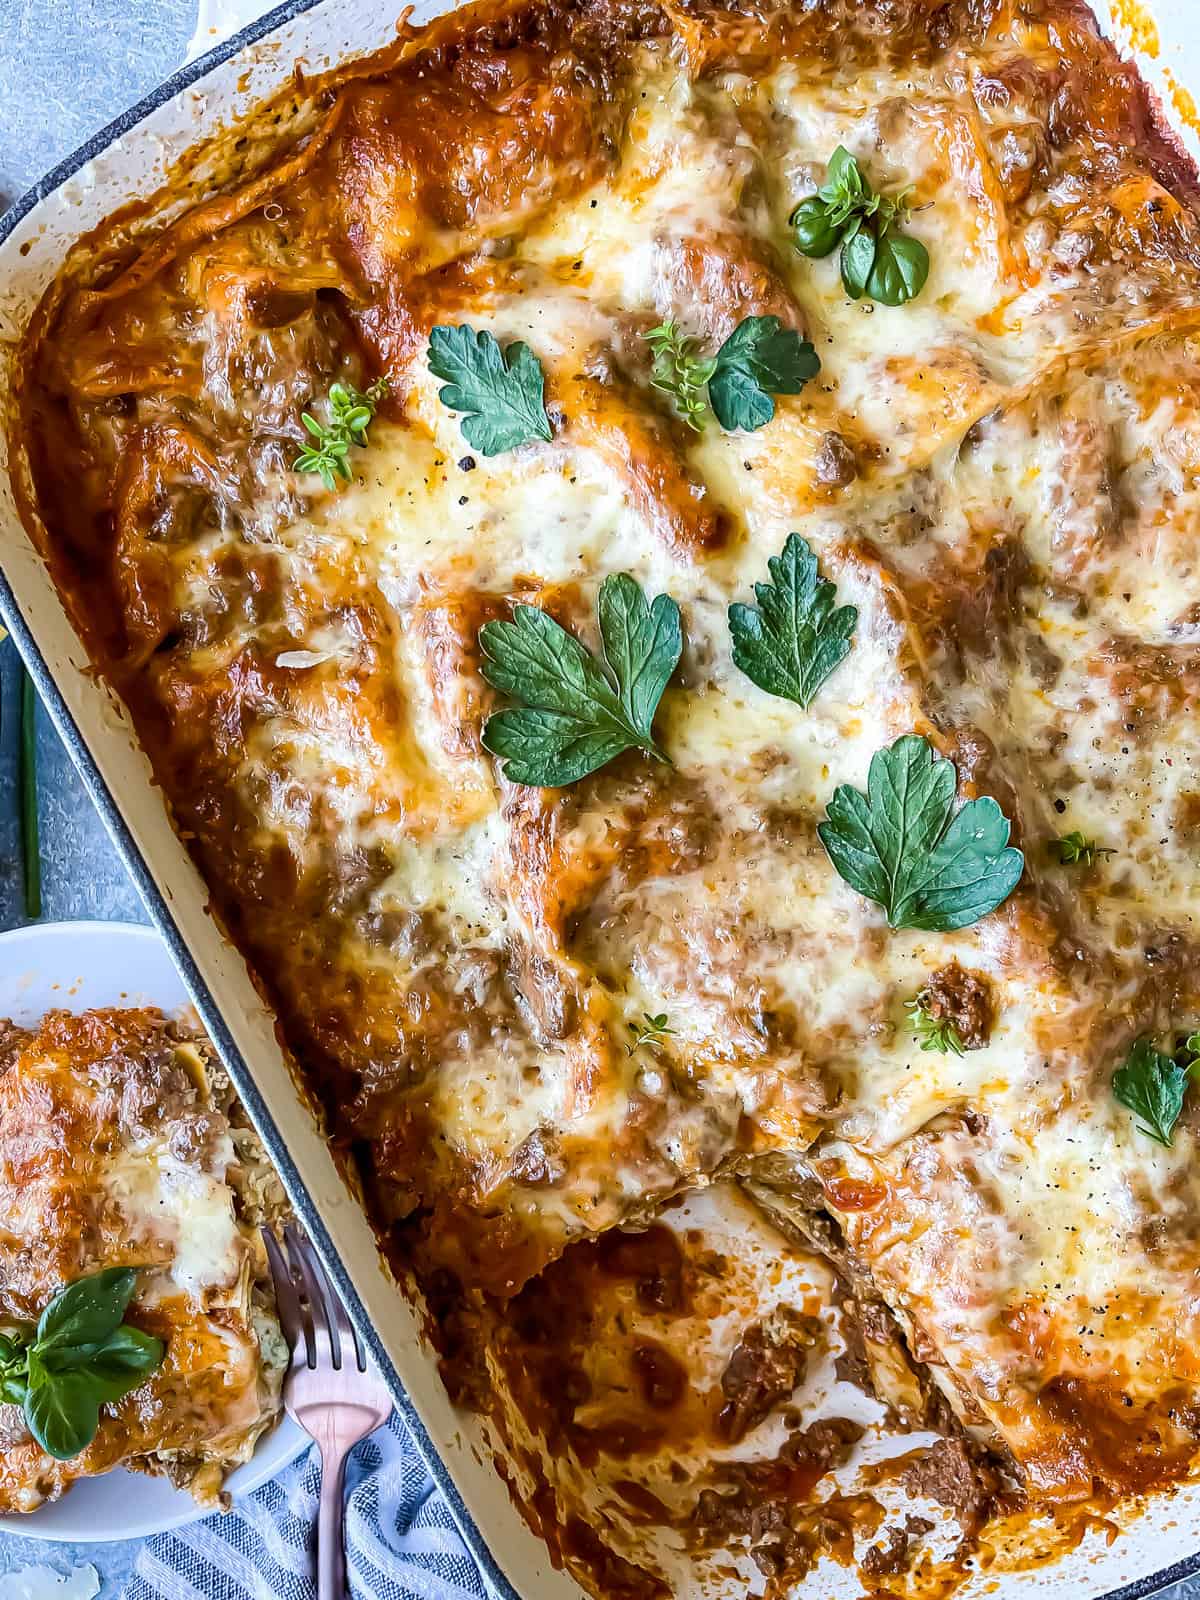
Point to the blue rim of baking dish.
(159, 911)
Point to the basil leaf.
(13, 1346)
(14, 1357)
(817, 234)
(577, 712)
(1152, 1086)
(62, 1411)
(500, 393)
(845, 182)
(87, 1311)
(857, 260)
(116, 1365)
(899, 270)
(877, 260)
(903, 845)
(14, 1386)
(791, 644)
(759, 359)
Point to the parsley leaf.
(1152, 1085)
(791, 644)
(1076, 849)
(579, 712)
(759, 359)
(499, 392)
(903, 845)
(350, 413)
(930, 1032)
(679, 373)
(878, 260)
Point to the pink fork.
(331, 1389)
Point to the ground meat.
(893, 1553)
(765, 1368)
(775, 1547)
(662, 1379)
(890, 1555)
(767, 1504)
(545, 991)
(536, 1160)
(823, 1446)
(963, 999)
(836, 464)
(651, 1258)
(949, 1474)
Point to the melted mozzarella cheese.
(174, 1204)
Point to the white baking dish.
(128, 161)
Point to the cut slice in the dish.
(123, 1145)
(708, 1401)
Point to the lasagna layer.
(121, 1145)
(1001, 476)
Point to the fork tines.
(310, 1312)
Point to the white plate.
(74, 966)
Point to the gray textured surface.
(66, 68)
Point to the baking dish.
(70, 202)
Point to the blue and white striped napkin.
(401, 1543)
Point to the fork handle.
(331, 1546)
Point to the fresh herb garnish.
(500, 393)
(651, 1031)
(1074, 848)
(930, 1032)
(351, 411)
(80, 1356)
(903, 845)
(577, 712)
(679, 373)
(878, 259)
(761, 358)
(31, 848)
(1152, 1085)
(793, 641)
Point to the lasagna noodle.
(1001, 477)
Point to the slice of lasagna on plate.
(122, 1145)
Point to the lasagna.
(535, 1010)
(121, 1145)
